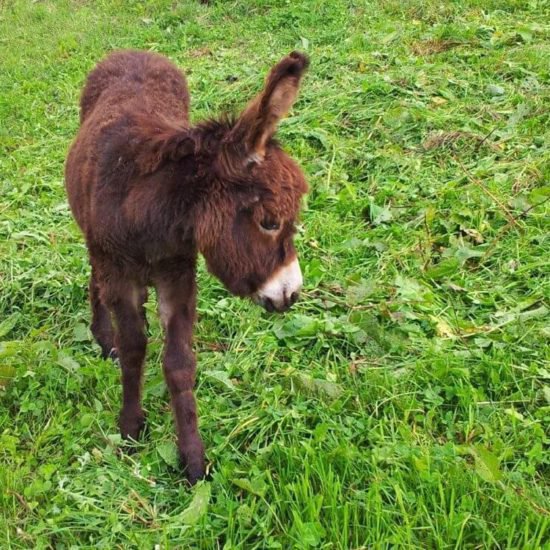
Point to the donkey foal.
(150, 192)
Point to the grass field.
(405, 401)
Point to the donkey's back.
(135, 79)
(125, 87)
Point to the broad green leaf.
(445, 268)
(80, 333)
(505, 317)
(10, 348)
(169, 454)
(311, 533)
(537, 313)
(7, 325)
(157, 390)
(86, 420)
(67, 362)
(319, 135)
(115, 439)
(379, 214)
(494, 90)
(322, 388)
(221, 376)
(514, 414)
(199, 505)
(390, 37)
(522, 111)
(486, 464)
(357, 294)
(257, 486)
(539, 194)
(464, 253)
(410, 289)
(525, 34)
(299, 326)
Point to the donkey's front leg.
(126, 303)
(177, 312)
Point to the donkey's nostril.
(269, 305)
(294, 297)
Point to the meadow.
(404, 402)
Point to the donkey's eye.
(270, 225)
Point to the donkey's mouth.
(282, 289)
(269, 305)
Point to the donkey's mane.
(156, 139)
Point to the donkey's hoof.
(193, 463)
(131, 427)
(195, 473)
(111, 353)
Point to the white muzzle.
(281, 290)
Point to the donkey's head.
(247, 234)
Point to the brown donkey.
(150, 192)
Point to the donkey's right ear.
(259, 120)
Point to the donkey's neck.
(177, 168)
(173, 200)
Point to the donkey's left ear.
(259, 120)
(155, 141)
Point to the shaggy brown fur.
(149, 192)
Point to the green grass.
(405, 401)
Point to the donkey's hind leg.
(102, 326)
(125, 299)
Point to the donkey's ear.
(160, 141)
(259, 120)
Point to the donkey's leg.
(102, 327)
(125, 301)
(177, 311)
